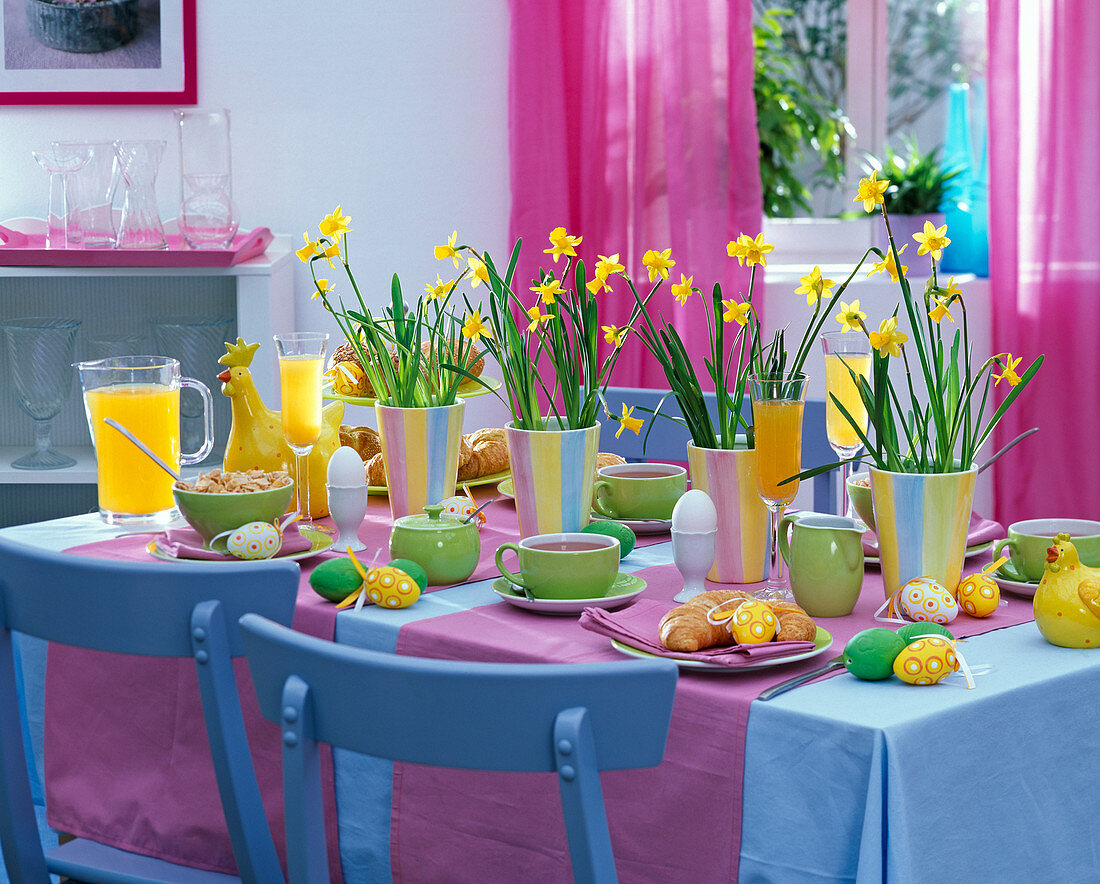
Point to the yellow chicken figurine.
(1067, 602)
(256, 433)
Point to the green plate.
(821, 643)
(319, 539)
(473, 483)
(466, 390)
(623, 591)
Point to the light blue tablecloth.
(844, 780)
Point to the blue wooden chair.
(576, 719)
(668, 440)
(156, 609)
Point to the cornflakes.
(217, 482)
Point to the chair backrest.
(156, 609)
(668, 440)
(576, 719)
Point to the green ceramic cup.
(825, 558)
(638, 490)
(1028, 541)
(563, 566)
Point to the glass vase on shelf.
(845, 353)
(208, 216)
(62, 159)
(140, 226)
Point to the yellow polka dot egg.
(753, 623)
(391, 587)
(926, 601)
(461, 508)
(256, 540)
(348, 379)
(926, 661)
(979, 595)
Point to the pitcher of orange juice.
(142, 393)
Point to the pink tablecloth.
(680, 821)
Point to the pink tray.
(29, 249)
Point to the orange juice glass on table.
(777, 404)
(142, 393)
(845, 353)
(301, 366)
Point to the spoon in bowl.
(111, 422)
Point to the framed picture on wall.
(58, 52)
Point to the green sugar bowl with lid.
(446, 548)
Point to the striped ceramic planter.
(552, 474)
(729, 477)
(420, 448)
(922, 521)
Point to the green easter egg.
(870, 654)
(335, 579)
(617, 530)
(912, 631)
(413, 570)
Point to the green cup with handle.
(824, 555)
(563, 566)
(628, 491)
(1028, 541)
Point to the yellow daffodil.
(940, 310)
(871, 192)
(597, 285)
(658, 263)
(952, 289)
(850, 315)
(449, 250)
(754, 251)
(735, 249)
(889, 266)
(613, 334)
(479, 273)
(933, 241)
(626, 422)
(439, 289)
(475, 329)
(814, 287)
(308, 250)
(536, 316)
(332, 250)
(335, 224)
(323, 289)
(1008, 372)
(736, 311)
(548, 290)
(887, 339)
(561, 243)
(606, 266)
(682, 290)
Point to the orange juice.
(129, 482)
(778, 426)
(300, 383)
(838, 382)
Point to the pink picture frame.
(98, 52)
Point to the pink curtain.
(632, 124)
(1044, 129)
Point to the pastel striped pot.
(729, 477)
(552, 475)
(420, 449)
(922, 520)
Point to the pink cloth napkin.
(186, 543)
(637, 627)
(982, 530)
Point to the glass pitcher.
(140, 226)
(142, 393)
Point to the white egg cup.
(693, 553)
(347, 504)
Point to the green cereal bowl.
(211, 513)
(860, 496)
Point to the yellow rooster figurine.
(1067, 602)
(256, 434)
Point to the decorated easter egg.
(627, 539)
(335, 579)
(753, 623)
(412, 569)
(256, 540)
(926, 661)
(924, 600)
(461, 508)
(391, 587)
(912, 631)
(870, 654)
(348, 379)
(978, 595)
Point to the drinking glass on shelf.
(301, 365)
(844, 351)
(777, 404)
(208, 216)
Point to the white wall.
(397, 111)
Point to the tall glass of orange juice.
(777, 404)
(141, 393)
(845, 355)
(301, 366)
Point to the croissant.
(489, 447)
(687, 629)
(376, 471)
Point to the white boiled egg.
(346, 468)
(694, 513)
